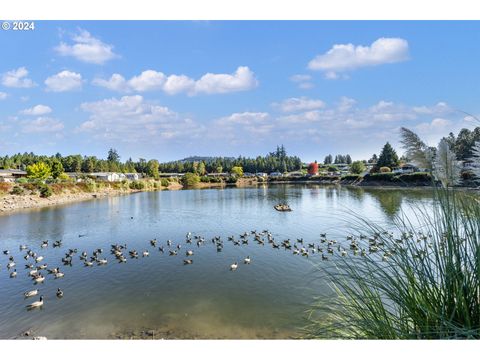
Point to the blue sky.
(170, 89)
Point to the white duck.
(234, 266)
(247, 260)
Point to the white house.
(132, 176)
(106, 176)
(405, 169)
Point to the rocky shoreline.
(13, 203)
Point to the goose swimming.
(189, 253)
(187, 261)
(36, 304)
(39, 278)
(30, 293)
(59, 293)
(234, 266)
(247, 260)
(13, 274)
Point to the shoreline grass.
(429, 288)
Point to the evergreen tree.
(388, 157)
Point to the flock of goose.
(324, 246)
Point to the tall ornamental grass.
(423, 283)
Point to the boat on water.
(282, 207)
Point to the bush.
(22, 180)
(351, 177)
(231, 180)
(45, 190)
(137, 185)
(380, 177)
(357, 167)
(332, 169)
(205, 179)
(190, 179)
(416, 177)
(164, 182)
(385, 169)
(17, 190)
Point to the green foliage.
(137, 185)
(22, 180)
(231, 180)
(201, 168)
(17, 190)
(152, 169)
(332, 169)
(113, 156)
(351, 177)
(388, 157)
(428, 288)
(379, 177)
(164, 182)
(56, 168)
(190, 179)
(237, 170)
(39, 171)
(45, 190)
(357, 167)
(64, 177)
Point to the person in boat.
(282, 207)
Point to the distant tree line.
(339, 159)
(274, 161)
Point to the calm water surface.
(266, 299)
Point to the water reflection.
(264, 299)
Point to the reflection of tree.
(356, 192)
(391, 200)
(284, 193)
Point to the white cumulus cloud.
(37, 110)
(42, 125)
(64, 81)
(299, 104)
(17, 78)
(347, 57)
(87, 48)
(149, 80)
(132, 119)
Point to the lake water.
(265, 299)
